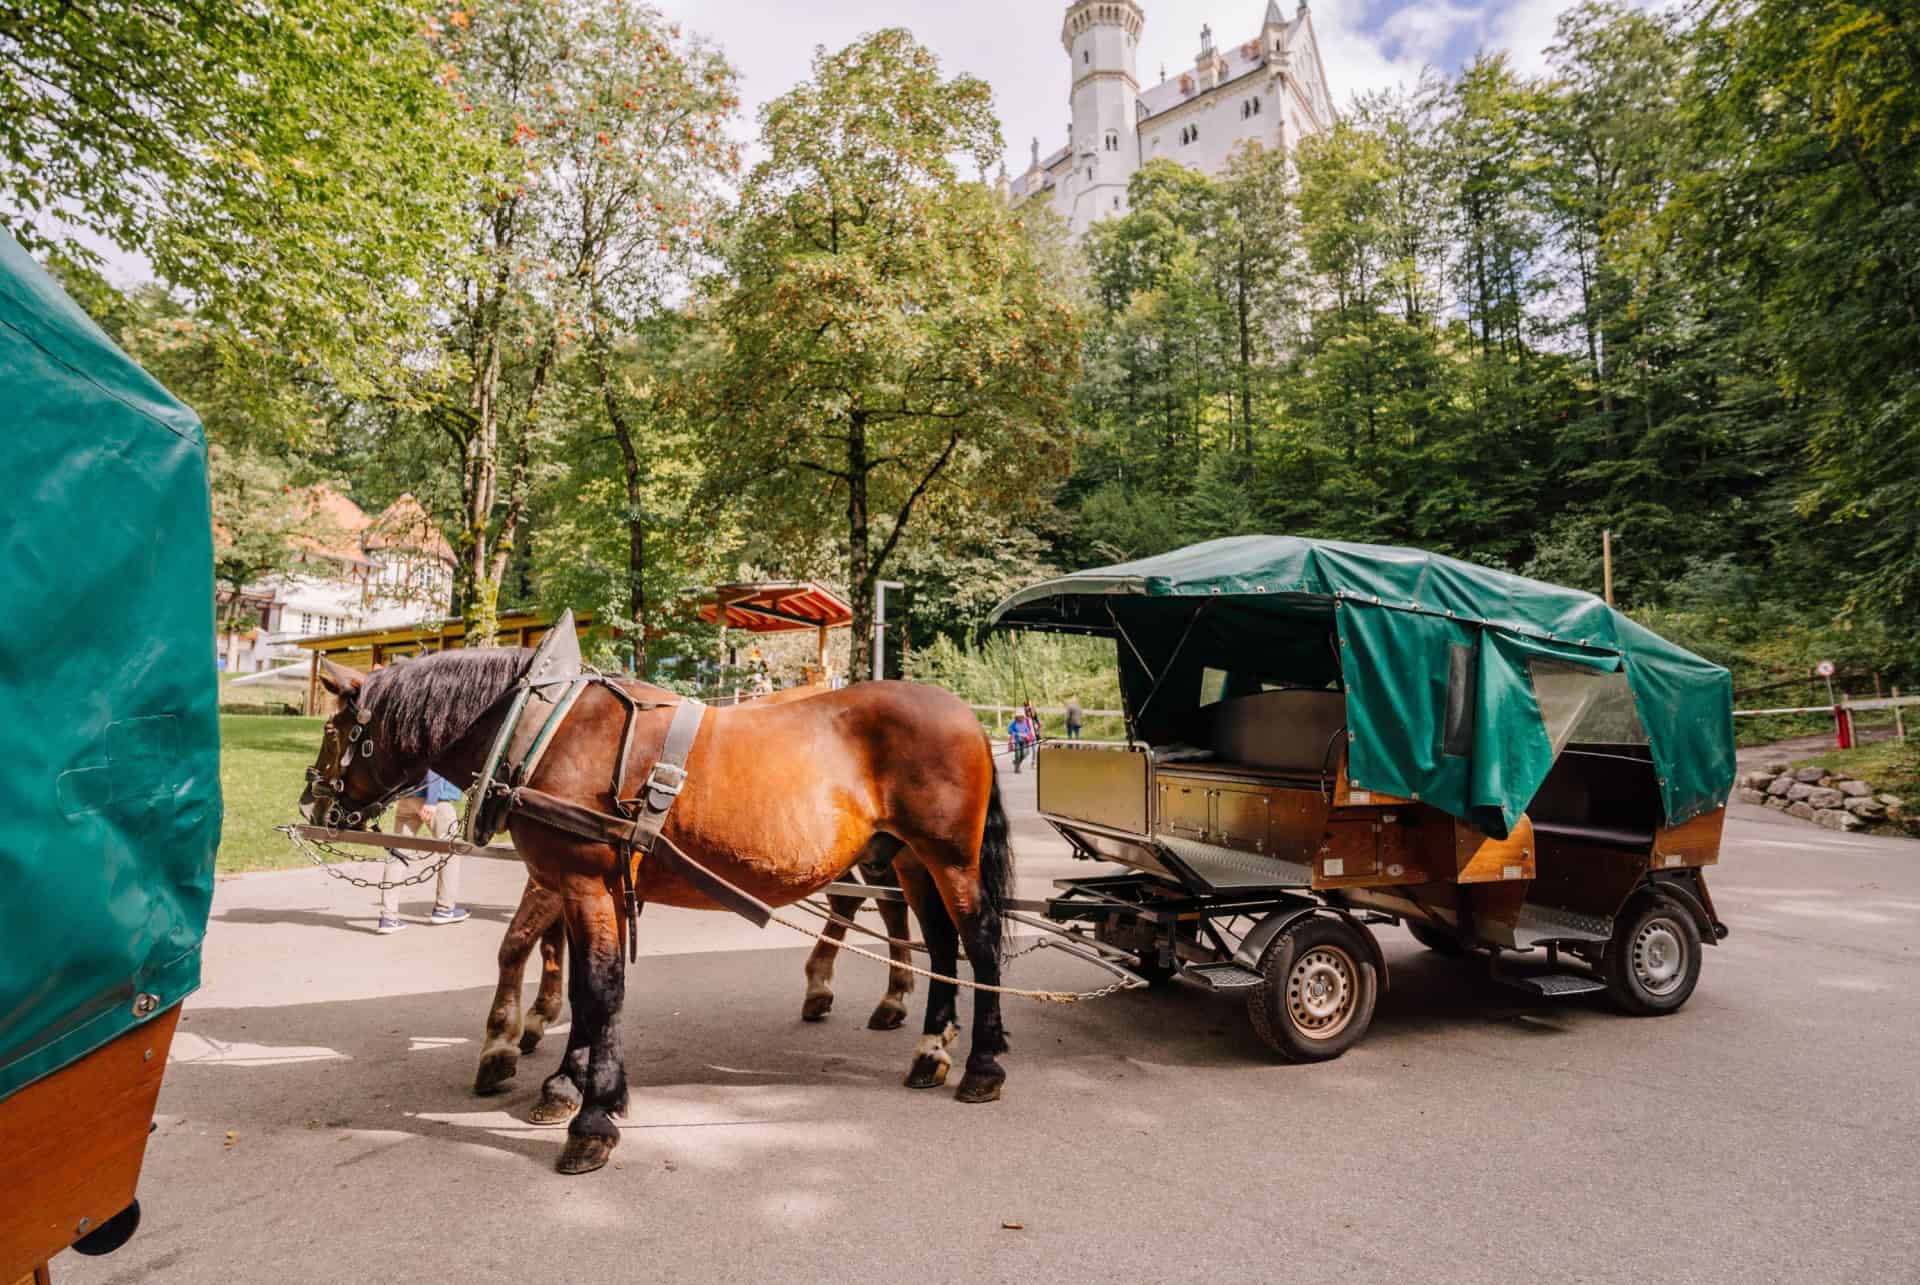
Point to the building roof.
(405, 524)
(346, 533)
(774, 606)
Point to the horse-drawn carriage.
(110, 806)
(1323, 736)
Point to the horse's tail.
(996, 864)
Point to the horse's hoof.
(548, 1111)
(816, 1008)
(928, 1072)
(585, 1154)
(887, 1018)
(530, 1040)
(494, 1073)
(980, 1086)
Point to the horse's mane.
(425, 705)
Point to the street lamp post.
(880, 588)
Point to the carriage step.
(1227, 976)
(1557, 985)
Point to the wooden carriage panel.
(1239, 818)
(1184, 808)
(1691, 843)
(71, 1144)
(1479, 859)
(1349, 855)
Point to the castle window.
(1086, 55)
(1116, 202)
(1113, 140)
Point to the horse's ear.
(340, 680)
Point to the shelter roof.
(774, 606)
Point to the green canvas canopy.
(110, 800)
(1462, 683)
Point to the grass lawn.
(1888, 766)
(263, 765)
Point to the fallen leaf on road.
(233, 1136)
(1005, 1226)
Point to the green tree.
(610, 123)
(888, 340)
(293, 164)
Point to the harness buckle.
(666, 778)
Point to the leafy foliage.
(890, 346)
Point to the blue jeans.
(1073, 731)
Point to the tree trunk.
(636, 518)
(859, 568)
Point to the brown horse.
(512, 1032)
(780, 800)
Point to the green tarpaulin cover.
(1446, 665)
(110, 794)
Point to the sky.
(1014, 45)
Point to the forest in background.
(1668, 289)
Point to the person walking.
(428, 808)
(1076, 718)
(1020, 738)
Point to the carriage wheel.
(1434, 937)
(1318, 996)
(1653, 962)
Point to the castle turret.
(1102, 38)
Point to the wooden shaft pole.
(1899, 719)
(1606, 563)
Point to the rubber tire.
(1616, 968)
(1434, 938)
(1266, 1003)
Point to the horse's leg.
(930, 1058)
(980, 933)
(562, 1092)
(600, 980)
(500, 1055)
(819, 1000)
(891, 1012)
(546, 1004)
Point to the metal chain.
(312, 850)
(1042, 996)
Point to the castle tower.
(1101, 38)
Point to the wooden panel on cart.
(1691, 843)
(1103, 786)
(1232, 806)
(71, 1144)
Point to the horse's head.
(351, 782)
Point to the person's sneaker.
(449, 914)
(386, 926)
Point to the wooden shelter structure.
(777, 606)
(370, 647)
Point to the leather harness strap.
(558, 814)
(665, 779)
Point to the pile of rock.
(1815, 794)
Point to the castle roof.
(1241, 60)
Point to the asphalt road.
(316, 1123)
